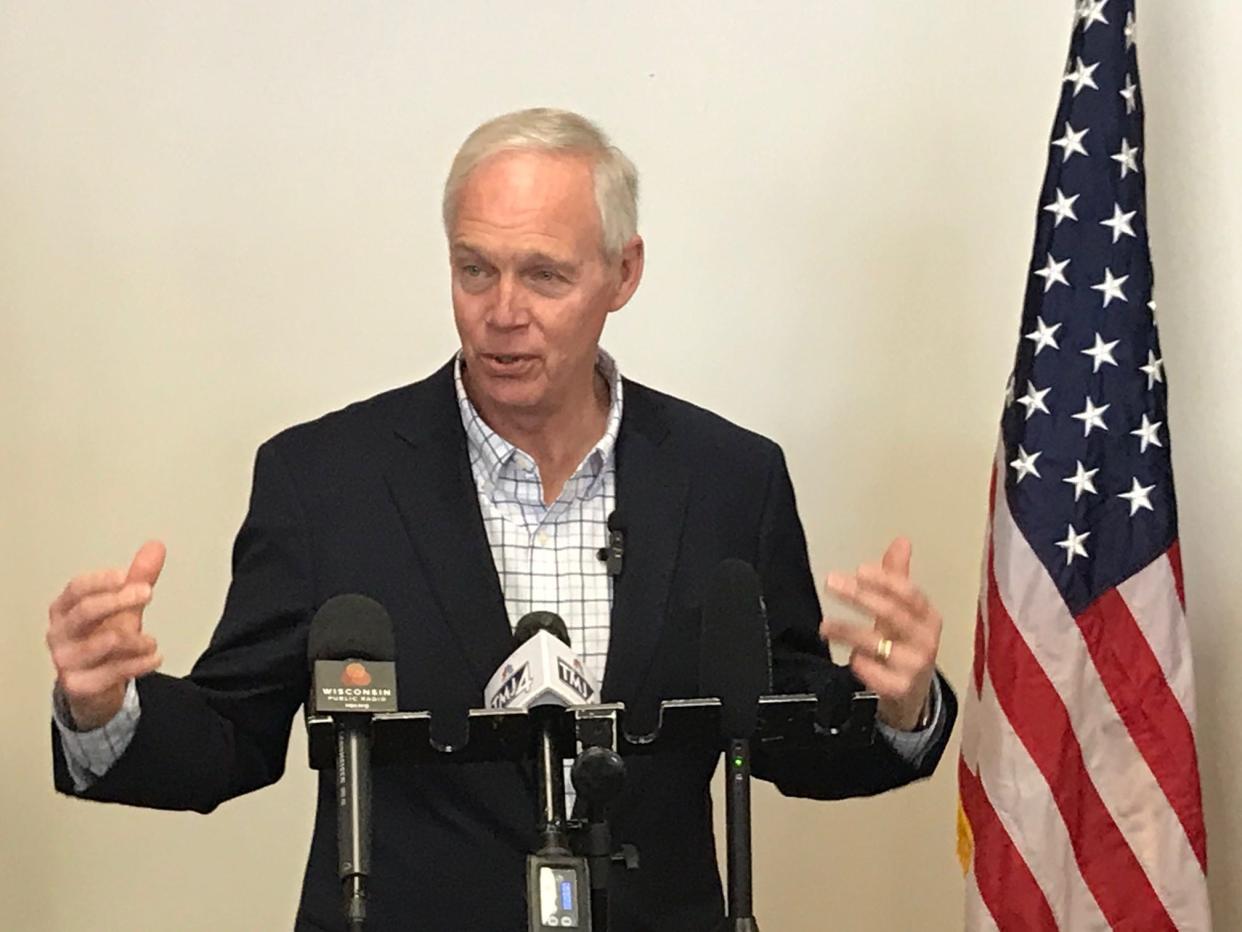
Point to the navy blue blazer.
(378, 498)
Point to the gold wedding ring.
(884, 649)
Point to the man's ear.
(632, 256)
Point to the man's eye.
(472, 270)
(546, 275)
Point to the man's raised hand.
(95, 636)
(896, 656)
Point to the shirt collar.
(490, 453)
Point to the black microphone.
(735, 665)
(352, 653)
(532, 623)
(735, 662)
(614, 552)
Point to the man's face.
(531, 286)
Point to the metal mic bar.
(793, 720)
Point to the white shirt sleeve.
(912, 746)
(90, 754)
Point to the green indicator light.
(737, 762)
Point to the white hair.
(548, 130)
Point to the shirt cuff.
(912, 746)
(91, 754)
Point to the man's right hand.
(95, 636)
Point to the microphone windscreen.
(351, 627)
(533, 622)
(735, 664)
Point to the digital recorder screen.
(558, 898)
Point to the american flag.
(1079, 787)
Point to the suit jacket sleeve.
(800, 663)
(224, 729)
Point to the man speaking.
(461, 503)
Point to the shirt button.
(542, 539)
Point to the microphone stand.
(353, 815)
(740, 915)
(551, 777)
(556, 880)
(599, 776)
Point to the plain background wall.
(217, 219)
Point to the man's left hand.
(896, 657)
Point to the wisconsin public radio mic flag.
(1079, 788)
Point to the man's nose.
(509, 308)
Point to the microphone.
(543, 670)
(735, 662)
(352, 653)
(613, 553)
(543, 675)
(735, 665)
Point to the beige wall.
(217, 219)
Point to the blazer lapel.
(652, 485)
(430, 481)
